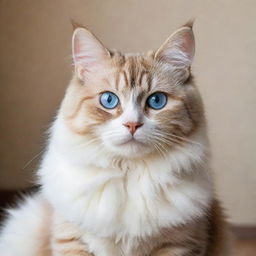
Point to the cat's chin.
(131, 149)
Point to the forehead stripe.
(125, 78)
(117, 79)
(149, 81)
(142, 74)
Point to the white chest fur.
(125, 199)
(133, 201)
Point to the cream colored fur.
(118, 195)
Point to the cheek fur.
(175, 121)
(88, 115)
(98, 115)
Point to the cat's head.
(133, 105)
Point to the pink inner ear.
(178, 50)
(80, 56)
(188, 44)
(89, 55)
(77, 50)
(77, 47)
(87, 50)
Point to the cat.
(126, 171)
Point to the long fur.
(106, 192)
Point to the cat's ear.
(178, 50)
(88, 52)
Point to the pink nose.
(133, 126)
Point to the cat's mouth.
(130, 146)
(131, 141)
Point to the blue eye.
(157, 100)
(109, 100)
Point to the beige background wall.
(36, 66)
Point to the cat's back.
(26, 231)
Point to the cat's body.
(129, 180)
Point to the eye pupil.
(109, 99)
(157, 100)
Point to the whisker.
(169, 142)
(158, 150)
(166, 140)
(180, 137)
(186, 139)
(109, 134)
(32, 159)
(158, 145)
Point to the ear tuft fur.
(178, 50)
(189, 23)
(76, 24)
